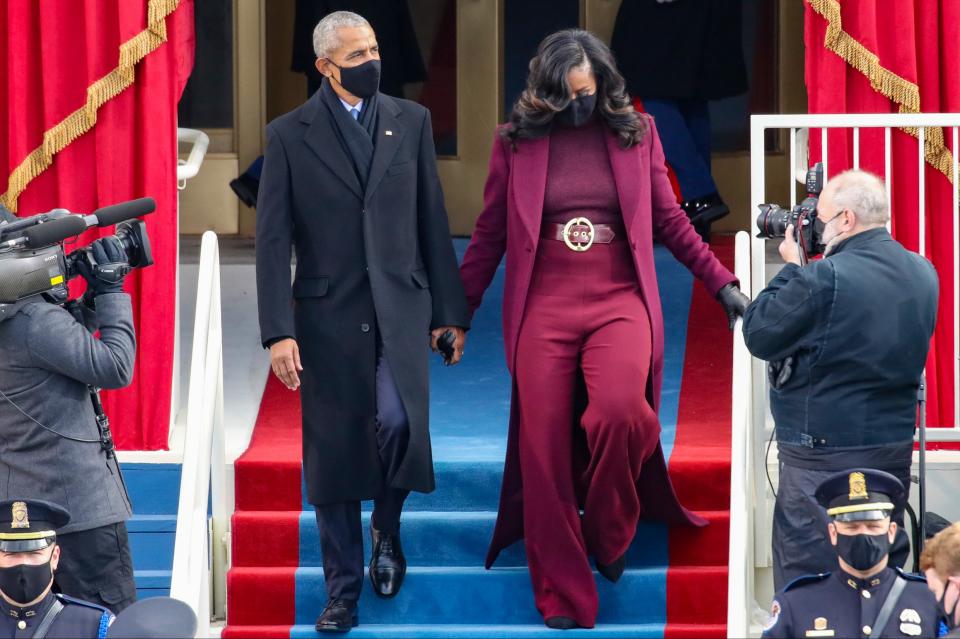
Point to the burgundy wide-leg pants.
(584, 312)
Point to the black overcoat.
(369, 263)
(681, 49)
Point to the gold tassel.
(99, 93)
(902, 92)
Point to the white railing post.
(202, 475)
(740, 581)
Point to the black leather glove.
(733, 301)
(109, 268)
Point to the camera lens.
(772, 221)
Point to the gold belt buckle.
(580, 240)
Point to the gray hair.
(863, 193)
(325, 38)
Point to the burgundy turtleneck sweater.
(579, 177)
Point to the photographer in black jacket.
(847, 337)
(50, 442)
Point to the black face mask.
(362, 80)
(941, 606)
(863, 552)
(24, 583)
(579, 111)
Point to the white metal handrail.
(200, 141)
(740, 598)
(203, 475)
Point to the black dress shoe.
(246, 188)
(614, 570)
(561, 623)
(340, 615)
(706, 209)
(388, 566)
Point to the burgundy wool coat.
(510, 223)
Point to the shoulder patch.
(805, 580)
(910, 576)
(80, 602)
(774, 616)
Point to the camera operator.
(847, 339)
(50, 440)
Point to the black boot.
(388, 566)
(340, 615)
(614, 570)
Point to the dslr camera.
(773, 219)
(34, 262)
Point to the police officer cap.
(154, 617)
(30, 524)
(860, 494)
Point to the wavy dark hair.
(547, 92)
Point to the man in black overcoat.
(350, 181)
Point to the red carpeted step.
(707, 546)
(261, 596)
(265, 538)
(695, 631)
(268, 475)
(696, 595)
(256, 632)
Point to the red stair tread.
(261, 596)
(260, 535)
(256, 632)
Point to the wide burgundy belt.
(579, 234)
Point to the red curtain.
(864, 56)
(53, 51)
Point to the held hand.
(460, 338)
(285, 362)
(789, 249)
(733, 301)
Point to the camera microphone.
(110, 215)
(55, 231)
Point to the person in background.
(29, 557)
(576, 194)
(862, 596)
(940, 562)
(676, 56)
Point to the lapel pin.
(389, 132)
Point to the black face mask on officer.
(25, 582)
(362, 80)
(863, 551)
(579, 111)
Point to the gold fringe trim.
(901, 91)
(82, 120)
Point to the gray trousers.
(801, 543)
(341, 533)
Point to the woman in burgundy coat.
(576, 194)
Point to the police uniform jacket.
(48, 360)
(77, 620)
(858, 324)
(372, 263)
(840, 605)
